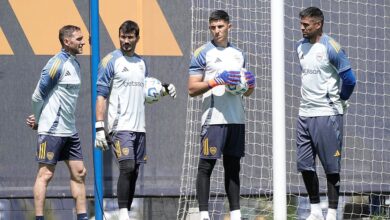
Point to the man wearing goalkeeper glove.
(121, 77)
(323, 104)
(54, 102)
(214, 65)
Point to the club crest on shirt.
(50, 155)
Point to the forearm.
(249, 92)
(198, 88)
(348, 84)
(37, 104)
(100, 108)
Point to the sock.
(39, 218)
(123, 213)
(82, 216)
(332, 213)
(204, 215)
(235, 215)
(316, 209)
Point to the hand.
(345, 105)
(100, 139)
(250, 79)
(30, 121)
(226, 77)
(169, 89)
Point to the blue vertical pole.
(97, 154)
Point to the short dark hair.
(219, 15)
(129, 27)
(67, 31)
(312, 12)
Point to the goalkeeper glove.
(168, 89)
(345, 105)
(100, 140)
(226, 77)
(250, 79)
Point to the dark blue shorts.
(322, 135)
(227, 139)
(128, 145)
(52, 149)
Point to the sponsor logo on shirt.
(133, 83)
(310, 72)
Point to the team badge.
(125, 151)
(50, 155)
(213, 150)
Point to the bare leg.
(77, 184)
(45, 174)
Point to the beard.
(127, 47)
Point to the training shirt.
(121, 80)
(321, 64)
(219, 106)
(55, 96)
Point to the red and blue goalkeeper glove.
(226, 77)
(250, 79)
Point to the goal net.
(362, 28)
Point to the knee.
(79, 175)
(46, 175)
(127, 167)
(205, 167)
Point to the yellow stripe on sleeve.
(54, 68)
(105, 60)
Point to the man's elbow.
(192, 92)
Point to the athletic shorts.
(128, 145)
(320, 135)
(51, 149)
(226, 139)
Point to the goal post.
(278, 111)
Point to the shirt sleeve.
(198, 62)
(105, 74)
(50, 76)
(337, 56)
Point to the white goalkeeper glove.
(169, 89)
(345, 105)
(100, 140)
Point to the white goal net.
(363, 29)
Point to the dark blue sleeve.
(348, 84)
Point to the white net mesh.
(363, 29)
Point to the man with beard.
(121, 78)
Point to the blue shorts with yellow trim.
(322, 136)
(226, 139)
(51, 149)
(128, 145)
